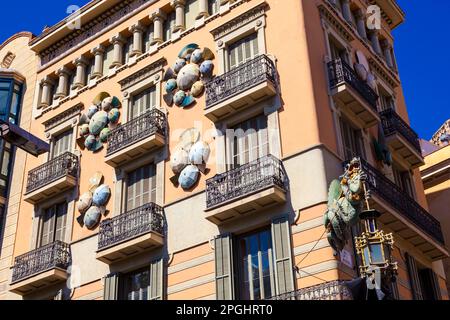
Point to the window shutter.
(414, 277)
(111, 287)
(156, 280)
(435, 285)
(281, 237)
(224, 267)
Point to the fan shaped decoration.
(185, 80)
(96, 124)
(92, 204)
(189, 159)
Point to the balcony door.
(242, 51)
(136, 285)
(256, 266)
(53, 224)
(352, 141)
(403, 180)
(143, 102)
(141, 187)
(251, 141)
(337, 51)
(62, 143)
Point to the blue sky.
(421, 45)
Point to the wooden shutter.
(414, 277)
(141, 187)
(281, 237)
(62, 143)
(156, 291)
(143, 102)
(224, 267)
(111, 290)
(434, 279)
(48, 226)
(61, 221)
(242, 51)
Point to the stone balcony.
(52, 178)
(240, 88)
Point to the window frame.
(151, 191)
(9, 100)
(54, 206)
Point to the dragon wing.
(334, 192)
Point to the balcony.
(354, 96)
(241, 88)
(333, 290)
(40, 268)
(136, 137)
(404, 216)
(52, 178)
(250, 188)
(131, 233)
(403, 141)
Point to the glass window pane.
(5, 163)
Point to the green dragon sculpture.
(345, 203)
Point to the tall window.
(62, 143)
(242, 51)
(136, 285)
(5, 163)
(141, 187)
(338, 51)
(403, 180)
(250, 142)
(168, 26)
(256, 266)
(352, 141)
(213, 7)
(10, 100)
(191, 12)
(387, 102)
(143, 102)
(108, 59)
(53, 224)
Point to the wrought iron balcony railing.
(245, 180)
(51, 256)
(398, 199)
(144, 126)
(240, 79)
(334, 290)
(127, 226)
(393, 123)
(340, 73)
(65, 164)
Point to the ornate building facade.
(192, 145)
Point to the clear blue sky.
(421, 47)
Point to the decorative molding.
(388, 77)
(327, 12)
(64, 116)
(102, 23)
(143, 74)
(238, 22)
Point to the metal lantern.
(374, 246)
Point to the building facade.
(285, 106)
(436, 180)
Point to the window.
(72, 77)
(191, 11)
(136, 285)
(89, 70)
(338, 51)
(10, 100)
(213, 7)
(148, 37)
(108, 59)
(403, 180)
(62, 143)
(140, 187)
(256, 266)
(352, 141)
(250, 141)
(53, 224)
(127, 49)
(168, 26)
(143, 102)
(387, 102)
(5, 163)
(242, 51)
(424, 282)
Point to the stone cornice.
(16, 36)
(92, 29)
(64, 116)
(143, 73)
(236, 23)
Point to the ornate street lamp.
(375, 247)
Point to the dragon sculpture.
(345, 203)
